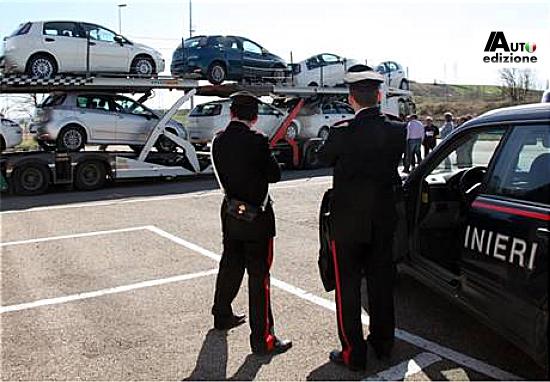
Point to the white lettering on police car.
(489, 238)
(517, 251)
(499, 245)
(505, 248)
(532, 258)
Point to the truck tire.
(31, 179)
(90, 175)
(311, 159)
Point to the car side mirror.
(264, 51)
(119, 39)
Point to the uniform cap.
(362, 74)
(244, 98)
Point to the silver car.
(69, 120)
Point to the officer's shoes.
(279, 347)
(337, 357)
(229, 323)
(383, 350)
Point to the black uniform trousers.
(352, 261)
(256, 257)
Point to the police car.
(478, 213)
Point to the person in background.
(446, 130)
(431, 132)
(415, 135)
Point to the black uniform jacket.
(245, 166)
(365, 152)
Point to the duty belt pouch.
(237, 208)
(241, 210)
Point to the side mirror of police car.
(119, 39)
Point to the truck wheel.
(323, 133)
(90, 175)
(46, 146)
(216, 73)
(31, 179)
(311, 159)
(165, 145)
(71, 138)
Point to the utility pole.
(191, 35)
(120, 6)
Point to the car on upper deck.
(227, 58)
(45, 48)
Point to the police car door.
(505, 246)
(439, 208)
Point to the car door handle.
(541, 232)
(327, 117)
(91, 43)
(49, 39)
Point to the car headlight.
(292, 131)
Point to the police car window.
(312, 63)
(522, 171)
(473, 150)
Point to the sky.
(439, 41)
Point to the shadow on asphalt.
(131, 189)
(212, 361)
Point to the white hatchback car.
(69, 120)
(324, 69)
(316, 120)
(44, 48)
(394, 74)
(11, 134)
(208, 118)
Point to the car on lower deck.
(316, 119)
(11, 134)
(46, 48)
(226, 58)
(478, 213)
(68, 121)
(208, 118)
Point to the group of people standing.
(426, 135)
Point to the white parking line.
(198, 194)
(445, 352)
(450, 354)
(73, 236)
(103, 292)
(407, 368)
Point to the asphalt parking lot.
(117, 284)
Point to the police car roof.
(522, 113)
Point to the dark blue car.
(220, 58)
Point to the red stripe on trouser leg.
(269, 337)
(346, 351)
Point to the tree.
(516, 83)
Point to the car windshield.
(53, 100)
(206, 110)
